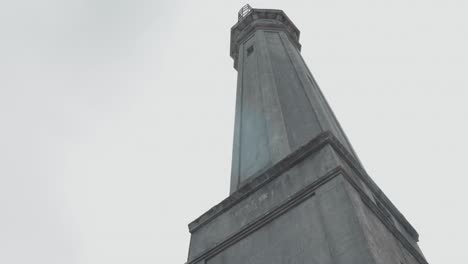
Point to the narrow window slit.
(250, 50)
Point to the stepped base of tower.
(317, 205)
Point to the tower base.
(317, 205)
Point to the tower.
(298, 191)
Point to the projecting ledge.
(261, 179)
(282, 187)
(307, 150)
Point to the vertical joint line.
(266, 55)
(241, 111)
(300, 80)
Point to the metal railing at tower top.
(244, 11)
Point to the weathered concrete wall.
(385, 247)
(295, 237)
(324, 228)
(321, 229)
(319, 181)
(263, 200)
(374, 198)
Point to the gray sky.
(117, 118)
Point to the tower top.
(251, 19)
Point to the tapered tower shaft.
(298, 192)
(279, 105)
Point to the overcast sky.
(116, 118)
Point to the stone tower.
(298, 191)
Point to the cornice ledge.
(387, 223)
(264, 177)
(269, 216)
(261, 178)
(355, 165)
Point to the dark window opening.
(250, 50)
